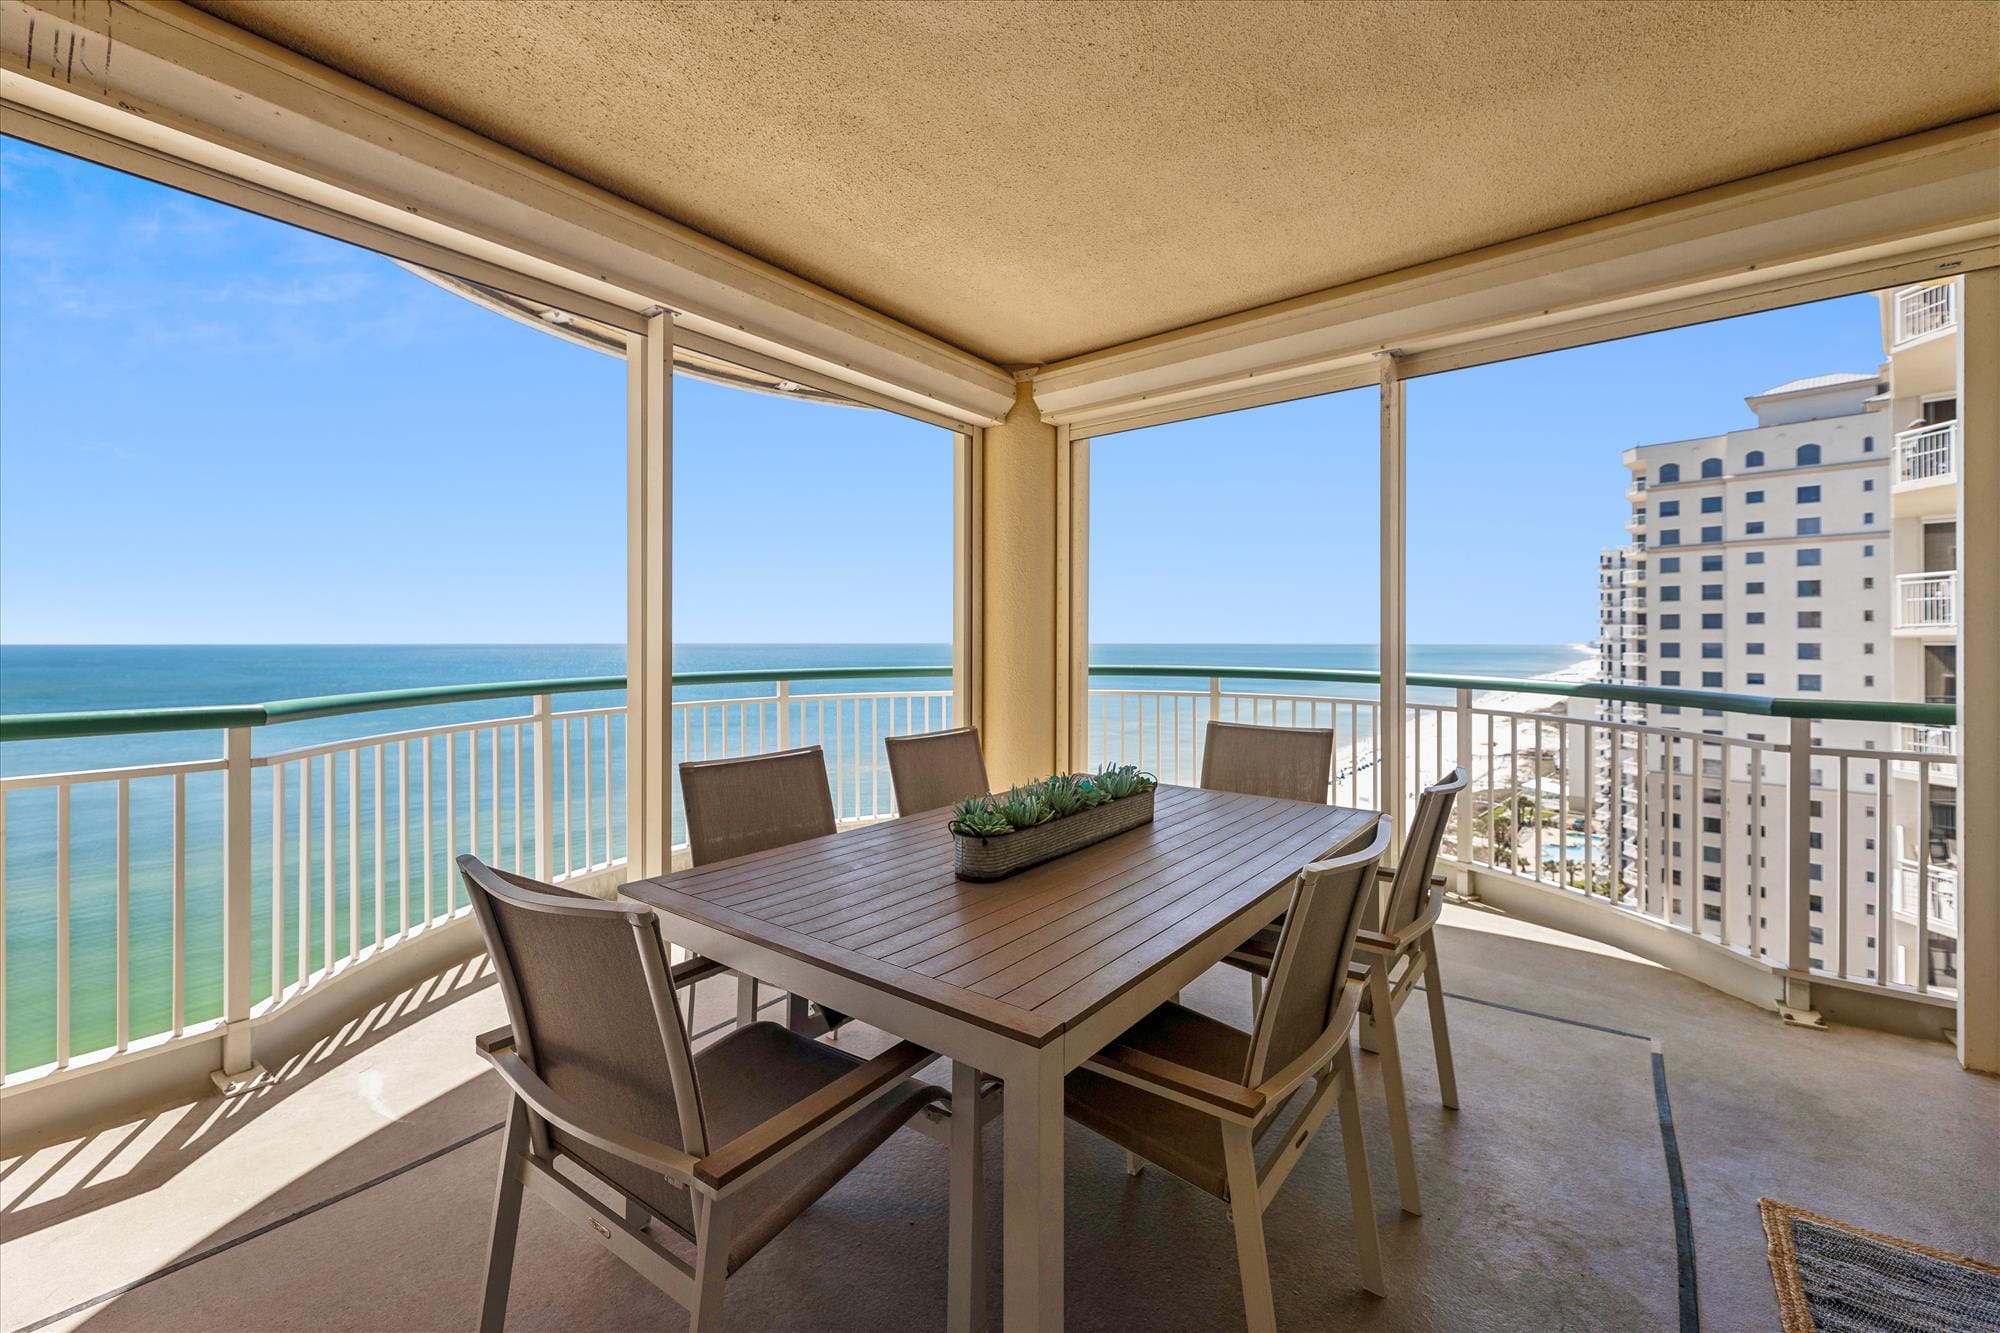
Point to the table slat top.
(1028, 956)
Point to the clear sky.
(215, 428)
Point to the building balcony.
(1637, 490)
(1632, 578)
(1942, 882)
(1937, 745)
(1927, 604)
(1924, 311)
(1924, 477)
(1636, 523)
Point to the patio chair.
(1393, 960)
(1287, 762)
(736, 807)
(725, 1146)
(1196, 1095)
(935, 769)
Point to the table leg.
(1032, 1228)
(965, 1299)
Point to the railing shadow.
(34, 1190)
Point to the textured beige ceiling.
(1030, 181)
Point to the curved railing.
(165, 898)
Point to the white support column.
(649, 638)
(968, 611)
(1395, 650)
(1072, 601)
(545, 806)
(239, 1068)
(1979, 672)
(1795, 909)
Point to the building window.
(1711, 650)
(1711, 620)
(1754, 528)
(1711, 680)
(1753, 558)
(1868, 446)
(1713, 534)
(1868, 520)
(1711, 467)
(1808, 555)
(1868, 483)
(1867, 584)
(1808, 455)
(1670, 564)
(1670, 472)
(1754, 678)
(1753, 617)
(1711, 592)
(1753, 588)
(1711, 504)
(1753, 649)
(1809, 652)
(1711, 564)
(1670, 650)
(1808, 527)
(1753, 497)
(1808, 495)
(1809, 620)
(1670, 678)
(1809, 684)
(1755, 458)
(1869, 548)
(1670, 620)
(1670, 593)
(1671, 537)
(1808, 587)
(1868, 682)
(1669, 508)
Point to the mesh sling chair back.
(1392, 960)
(936, 768)
(1196, 1095)
(1292, 763)
(738, 807)
(725, 1146)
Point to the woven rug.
(1835, 1278)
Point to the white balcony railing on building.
(157, 903)
(1922, 311)
(1942, 882)
(1927, 454)
(1927, 601)
(1927, 740)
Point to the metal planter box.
(985, 859)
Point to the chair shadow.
(187, 1131)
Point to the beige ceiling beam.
(172, 82)
(1891, 213)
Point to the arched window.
(1808, 455)
(1711, 467)
(1755, 458)
(1670, 472)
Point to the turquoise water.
(36, 679)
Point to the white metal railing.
(1773, 849)
(1927, 453)
(158, 902)
(1927, 740)
(1922, 311)
(1942, 882)
(1927, 601)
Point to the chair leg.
(506, 1221)
(1392, 1087)
(711, 1267)
(1134, 1163)
(1360, 1198)
(1256, 995)
(1440, 1032)
(746, 1000)
(1252, 1261)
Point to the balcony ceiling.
(1034, 181)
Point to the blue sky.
(216, 428)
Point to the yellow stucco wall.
(1019, 640)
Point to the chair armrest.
(1178, 1083)
(809, 1118)
(499, 1039)
(690, 970)
(1375, 942)
(1389, 872)
(573, 1120)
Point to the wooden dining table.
(1022, 979)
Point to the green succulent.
(1024, 807)
(976, 817)
(1117, 781)
(1065, 794)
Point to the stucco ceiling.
(1031, 181)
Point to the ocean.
(38, 679)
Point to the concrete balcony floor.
(353, 1194)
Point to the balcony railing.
(1942, 882)
(1927, 454)
(1928, 740)
(159, 903)
(1927, 601)
(1923, 311)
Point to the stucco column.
(1979, 673)
(1021, 601)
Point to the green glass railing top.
(132, 721)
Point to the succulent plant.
(1066, 794)
(1118, 781)
(1024, 807)
(976, 817)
